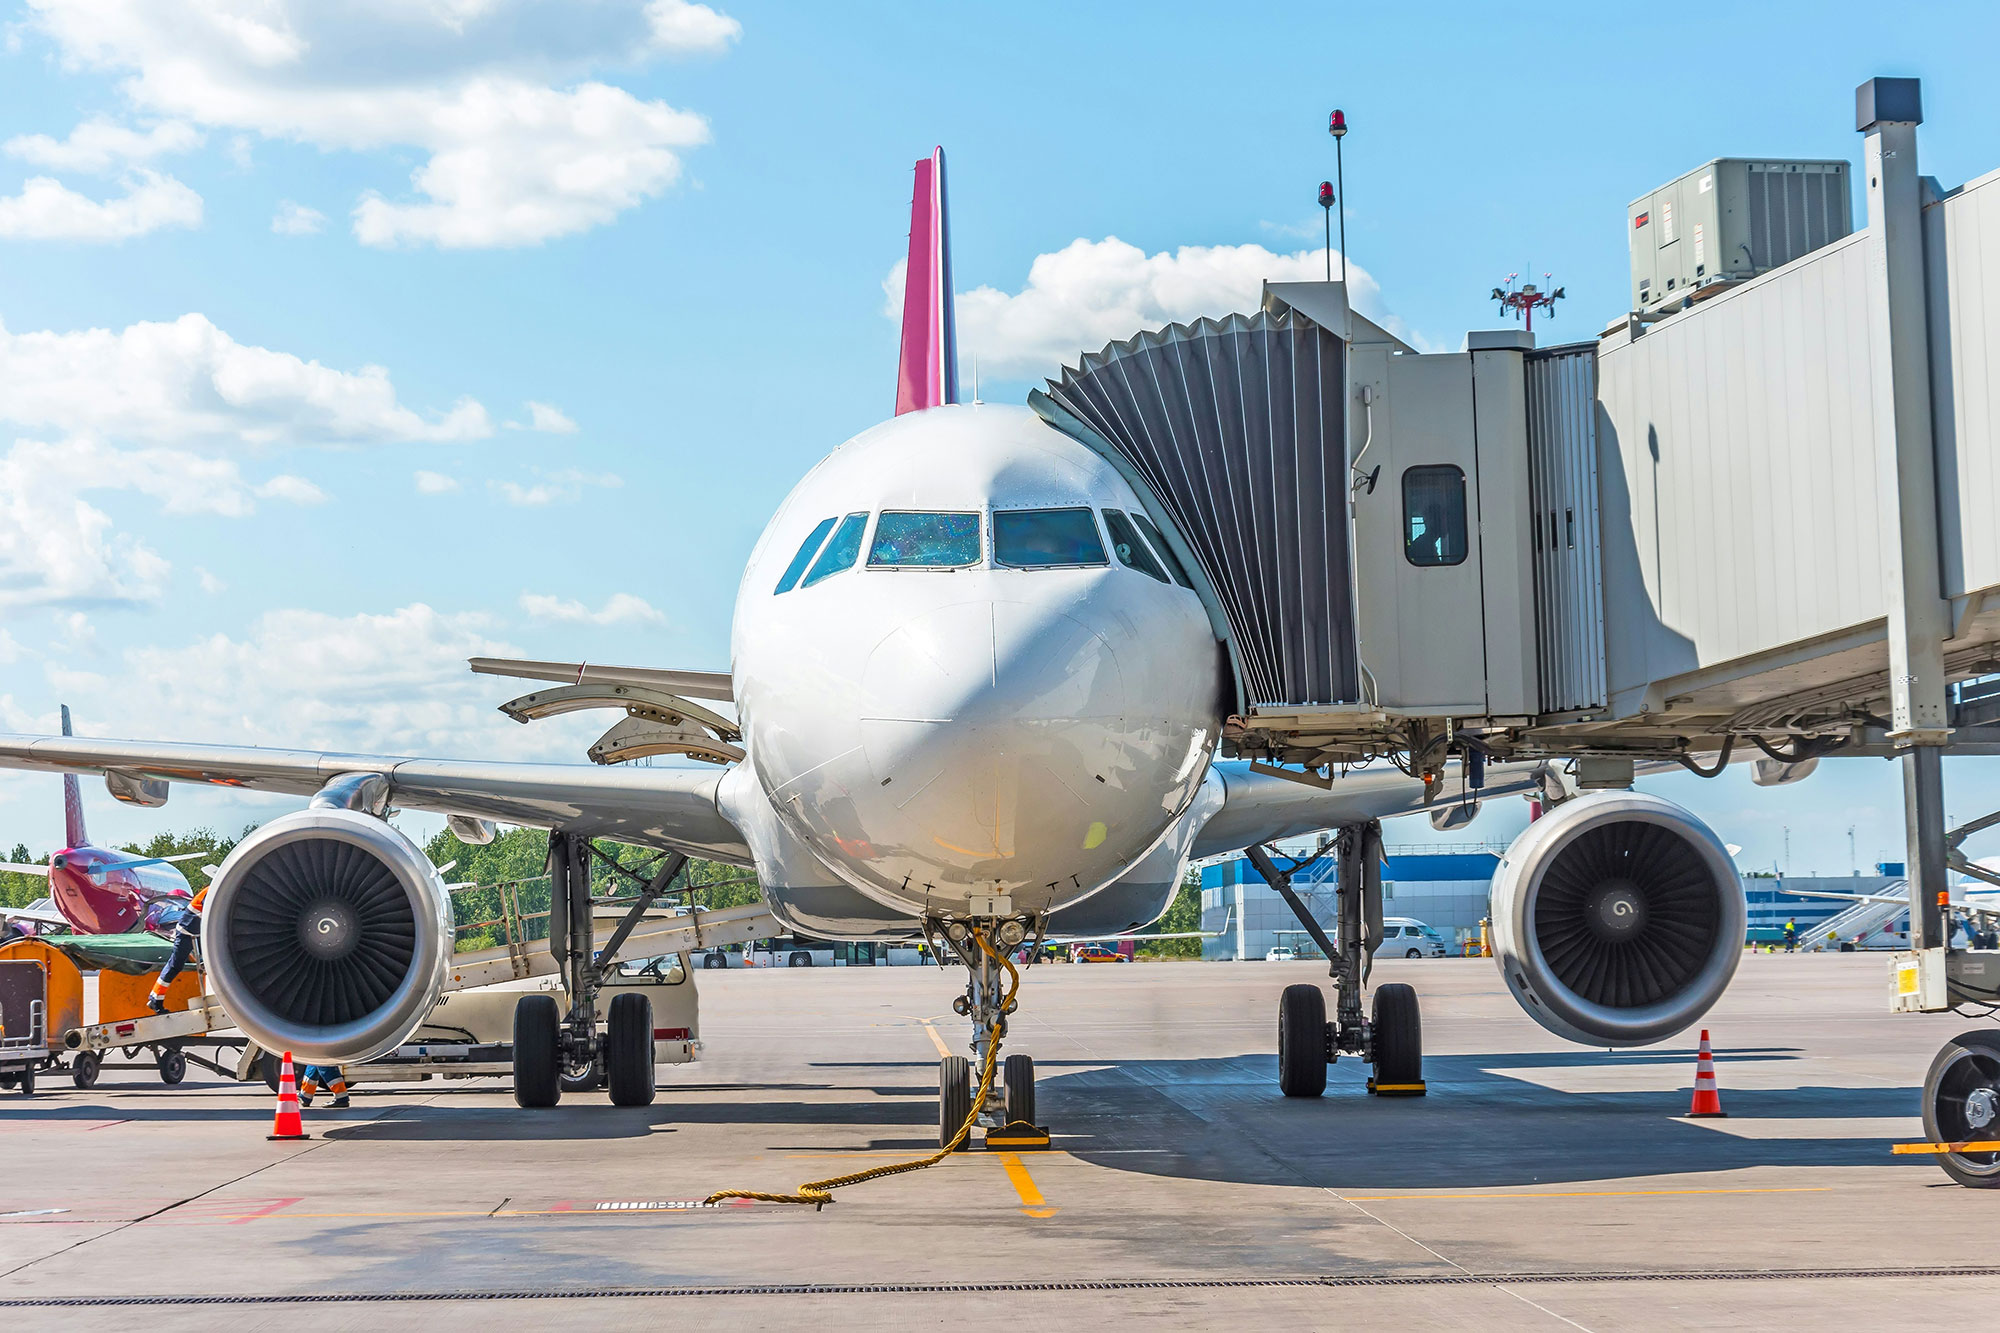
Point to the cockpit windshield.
(1046, 538)
(906, 540)
(841, 551)
(1131, 547)
(807, 549)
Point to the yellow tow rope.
(819, 1193)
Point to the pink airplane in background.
(97, 890)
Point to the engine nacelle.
(328, 934)
(1617, 919)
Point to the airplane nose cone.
(996, 742)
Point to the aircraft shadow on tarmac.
(1480, 1125)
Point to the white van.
(1407, 937)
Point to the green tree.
(18, 890)
(1184, 913)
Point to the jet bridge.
(1760, 516)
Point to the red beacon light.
(1336, 124)
(1326, 194)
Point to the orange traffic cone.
(1707, 1098)
(286, 1124)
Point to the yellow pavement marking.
(1578, 1194)
(1974, 1145)
(943, 1050)
(1024, 1185)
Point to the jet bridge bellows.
(1236, 425)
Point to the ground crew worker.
(333, 1076)
(1791, 935)
(186, 932)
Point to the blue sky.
(670, 227)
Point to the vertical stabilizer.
(73, 834)
(927, 373)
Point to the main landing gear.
(1390, 1036)
(1003, 1102)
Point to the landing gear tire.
(1962, 1104)
(537, 1051)
(173, 1067)
(269, 1068)
(1399, 1035)
(1017, 1081)
(83, 1070)
(954, 1097)
(590, 1080)
(1302, 1041)
(628, 1050)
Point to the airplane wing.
(24, 868)
(654, 807)
(693, 684)
(47, 916)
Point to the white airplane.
(978, 699)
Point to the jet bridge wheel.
(1398, 1041)
(1302, 1041)
(628, 1050)
(537, 1051)
(1962, 1104)
(954, 1097)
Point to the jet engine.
(327, 933)
(1617, 919)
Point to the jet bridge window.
(1434, 515)
(924, 541)
(804, 557)
(1130, 547)
(841, 550)
(1046, 538)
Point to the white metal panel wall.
(1499, 396)
(1562, 482)
(1736, 466)
(1962, 259)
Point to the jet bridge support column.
(1888, 112)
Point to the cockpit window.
(1166, 552)
(1046, 538)
(804, 557)
(841, 551)
(925, 541)
(1130, 547)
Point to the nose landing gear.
(1390, 1036)
(1005, 1107)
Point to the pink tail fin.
(73, 833)
(927, 373)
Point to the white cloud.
(10, 649)
(102, 146)
(57, 549)
(522, 145)
(549, 419)
(565, 485)
(435, 483)
(209, 583)
(293, 219)
(296, 490)
(188, 380)
(47, 210)
(1090, 293)
(393, 683)
(621, 608)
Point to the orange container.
(65, 983)
(121, 996)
